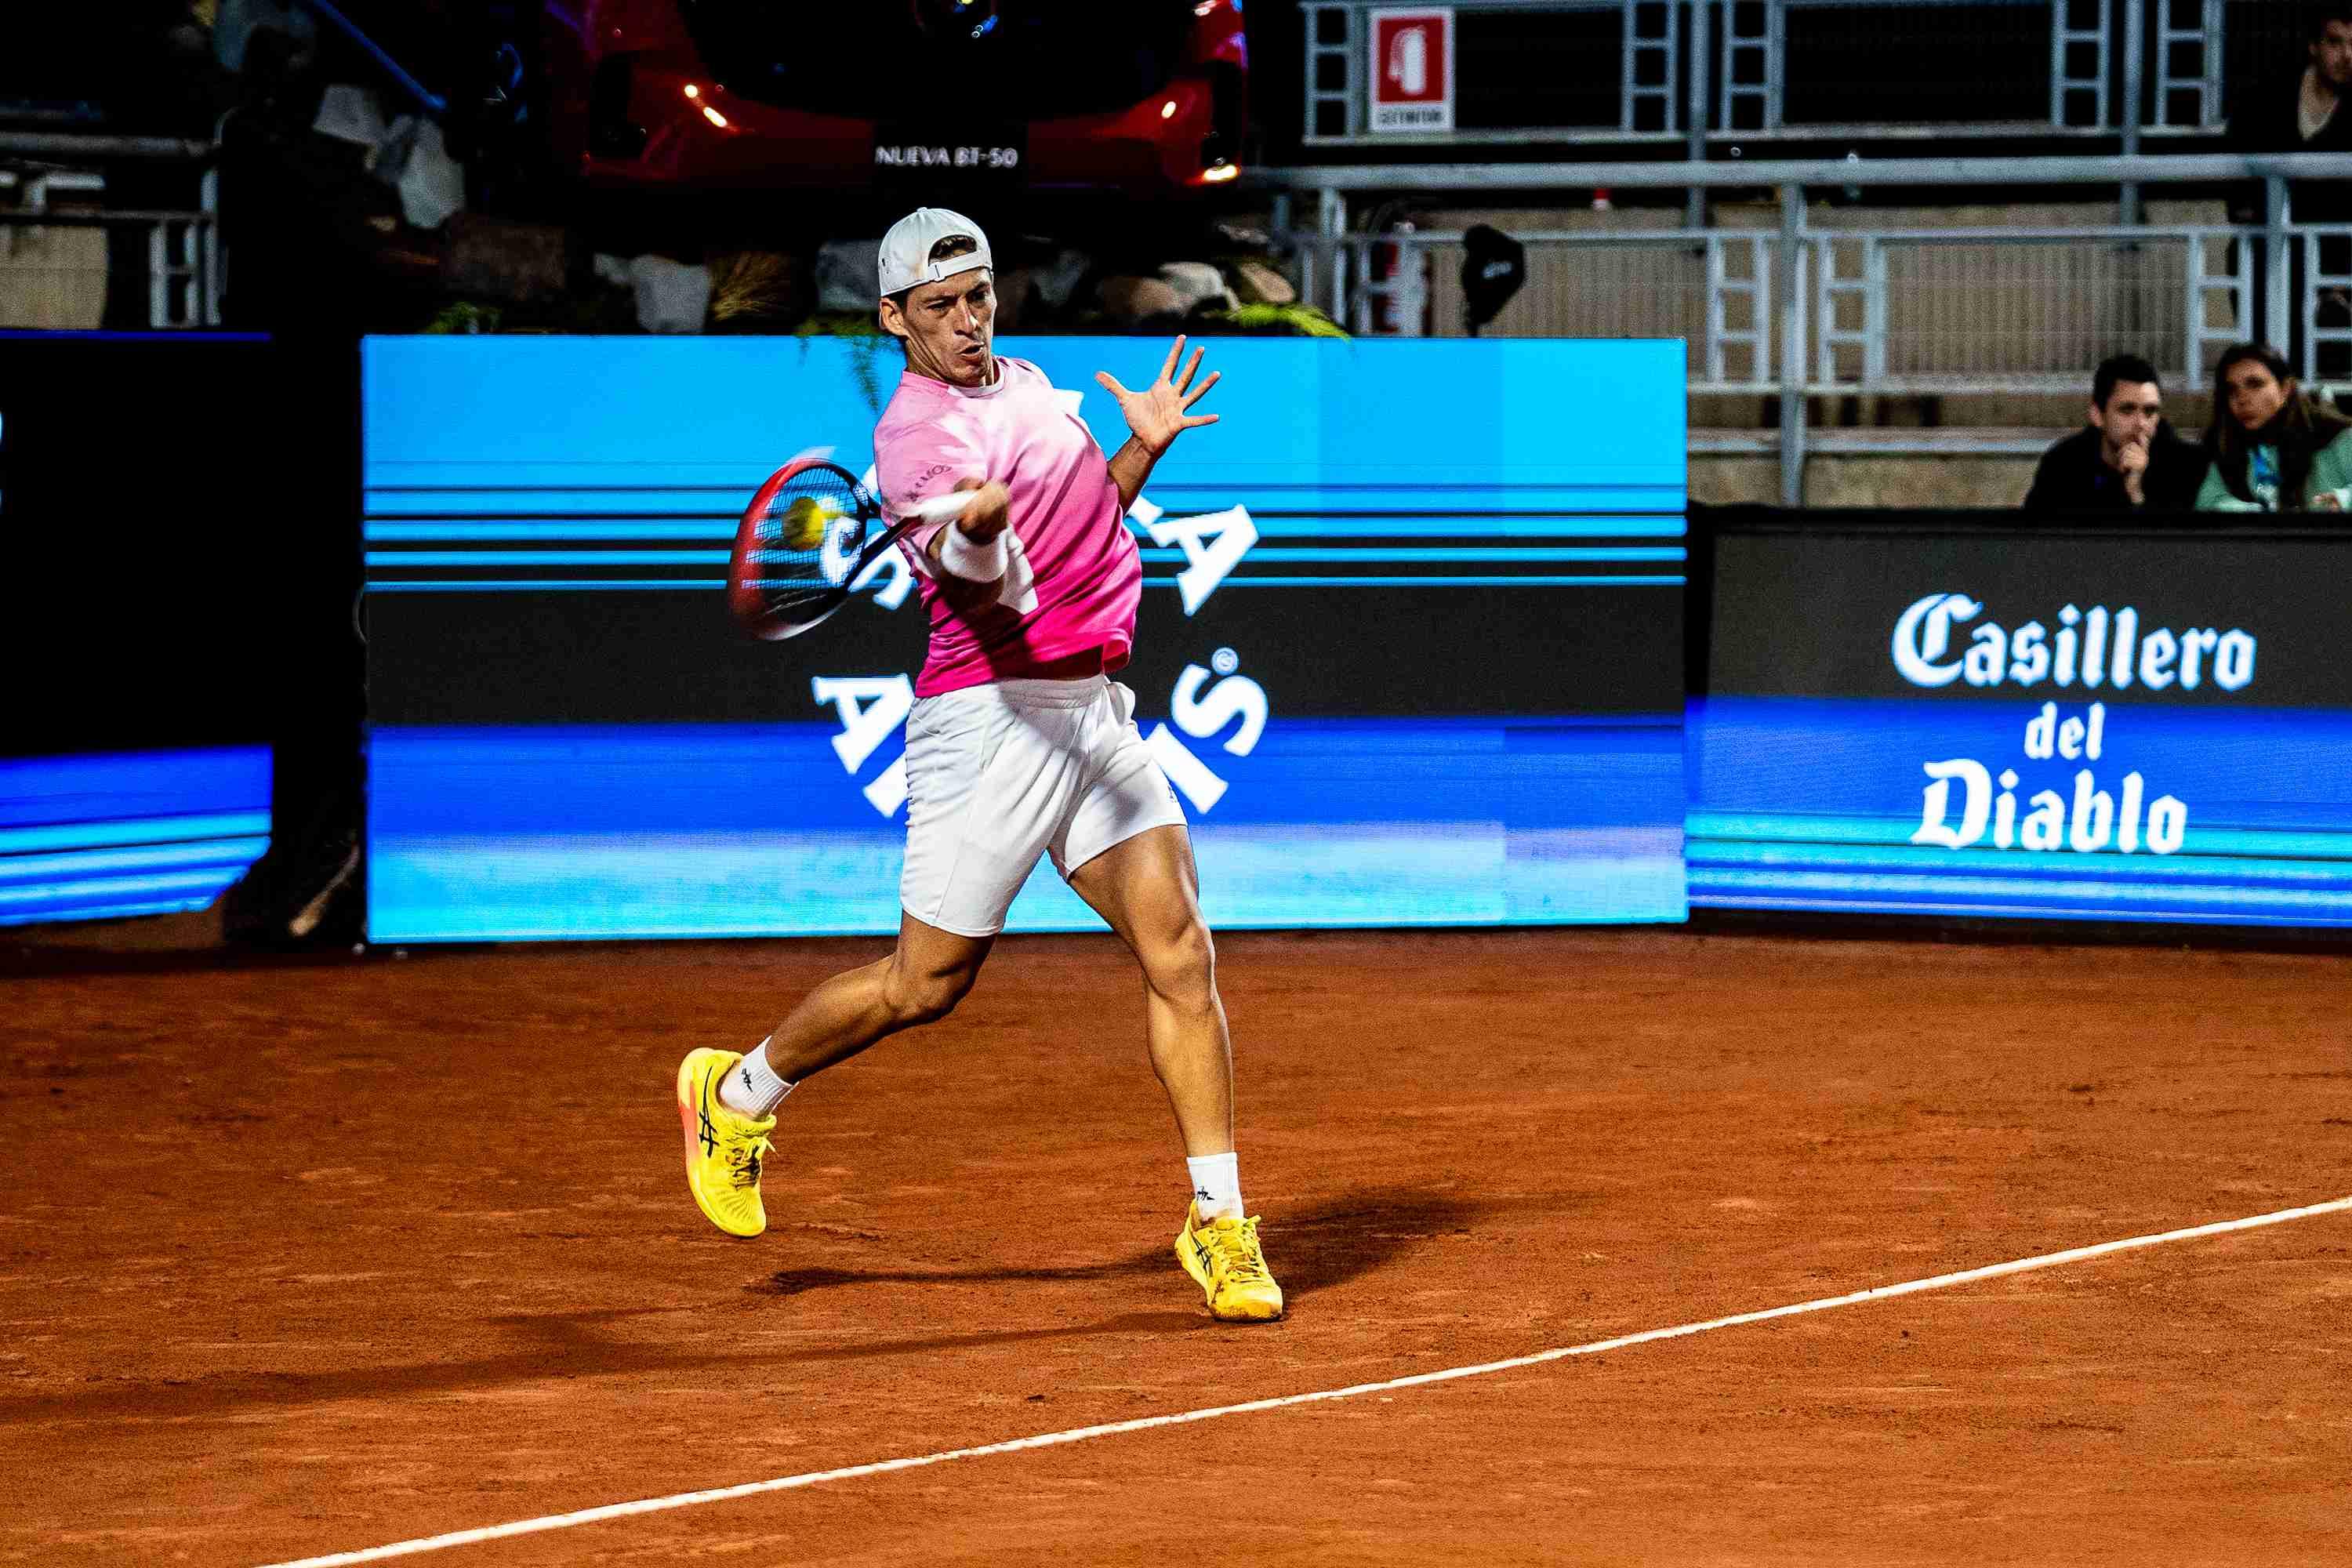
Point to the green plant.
(1304, 320)
(865, 336)
(464, 317)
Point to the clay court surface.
(304, 1258)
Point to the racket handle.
(937, 507)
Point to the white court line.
(1146, 1423)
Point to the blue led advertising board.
(155, 578)
(1410, 647)
(2141, 724)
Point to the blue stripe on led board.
(2266, 794)
(399, 558)
(237, 853)
(1720, 827)
(575, 831)
(2022, 908)
(1304, 424)
(2179, 867)
(41, 791)
(134, 830)
(114, 835)
(713, 585)
(721, 528)
(2026, 896)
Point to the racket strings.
(807, 539)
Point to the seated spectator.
(2272, 448)
(2129, 456)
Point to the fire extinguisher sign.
(1413, 70)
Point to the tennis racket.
(807, 537)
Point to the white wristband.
(973, 563)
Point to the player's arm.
(969, 554)
(912, 464)
(1157, 415)
(1130, 468)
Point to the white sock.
(753, 1087)
(1216, 1185)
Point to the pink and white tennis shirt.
(1085, 571)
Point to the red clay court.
(316, 1260)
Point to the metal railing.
(1805, 309)
(80, 267)
(1994, 310)
(1715, 71)
(63, 269)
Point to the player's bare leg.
(1148, 890)
(726, 1103)
(920, 983)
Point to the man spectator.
(2310, 116)
(2126, 458)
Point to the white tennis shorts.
(999, 774)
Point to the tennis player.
(1018, 745)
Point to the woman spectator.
(2273, 449)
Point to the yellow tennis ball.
(805, 522)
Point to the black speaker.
(1494, 265)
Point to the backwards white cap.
(907, 249)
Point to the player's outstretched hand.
(1161, 411)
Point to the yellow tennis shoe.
(723, 1146)
(1224, 1258)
